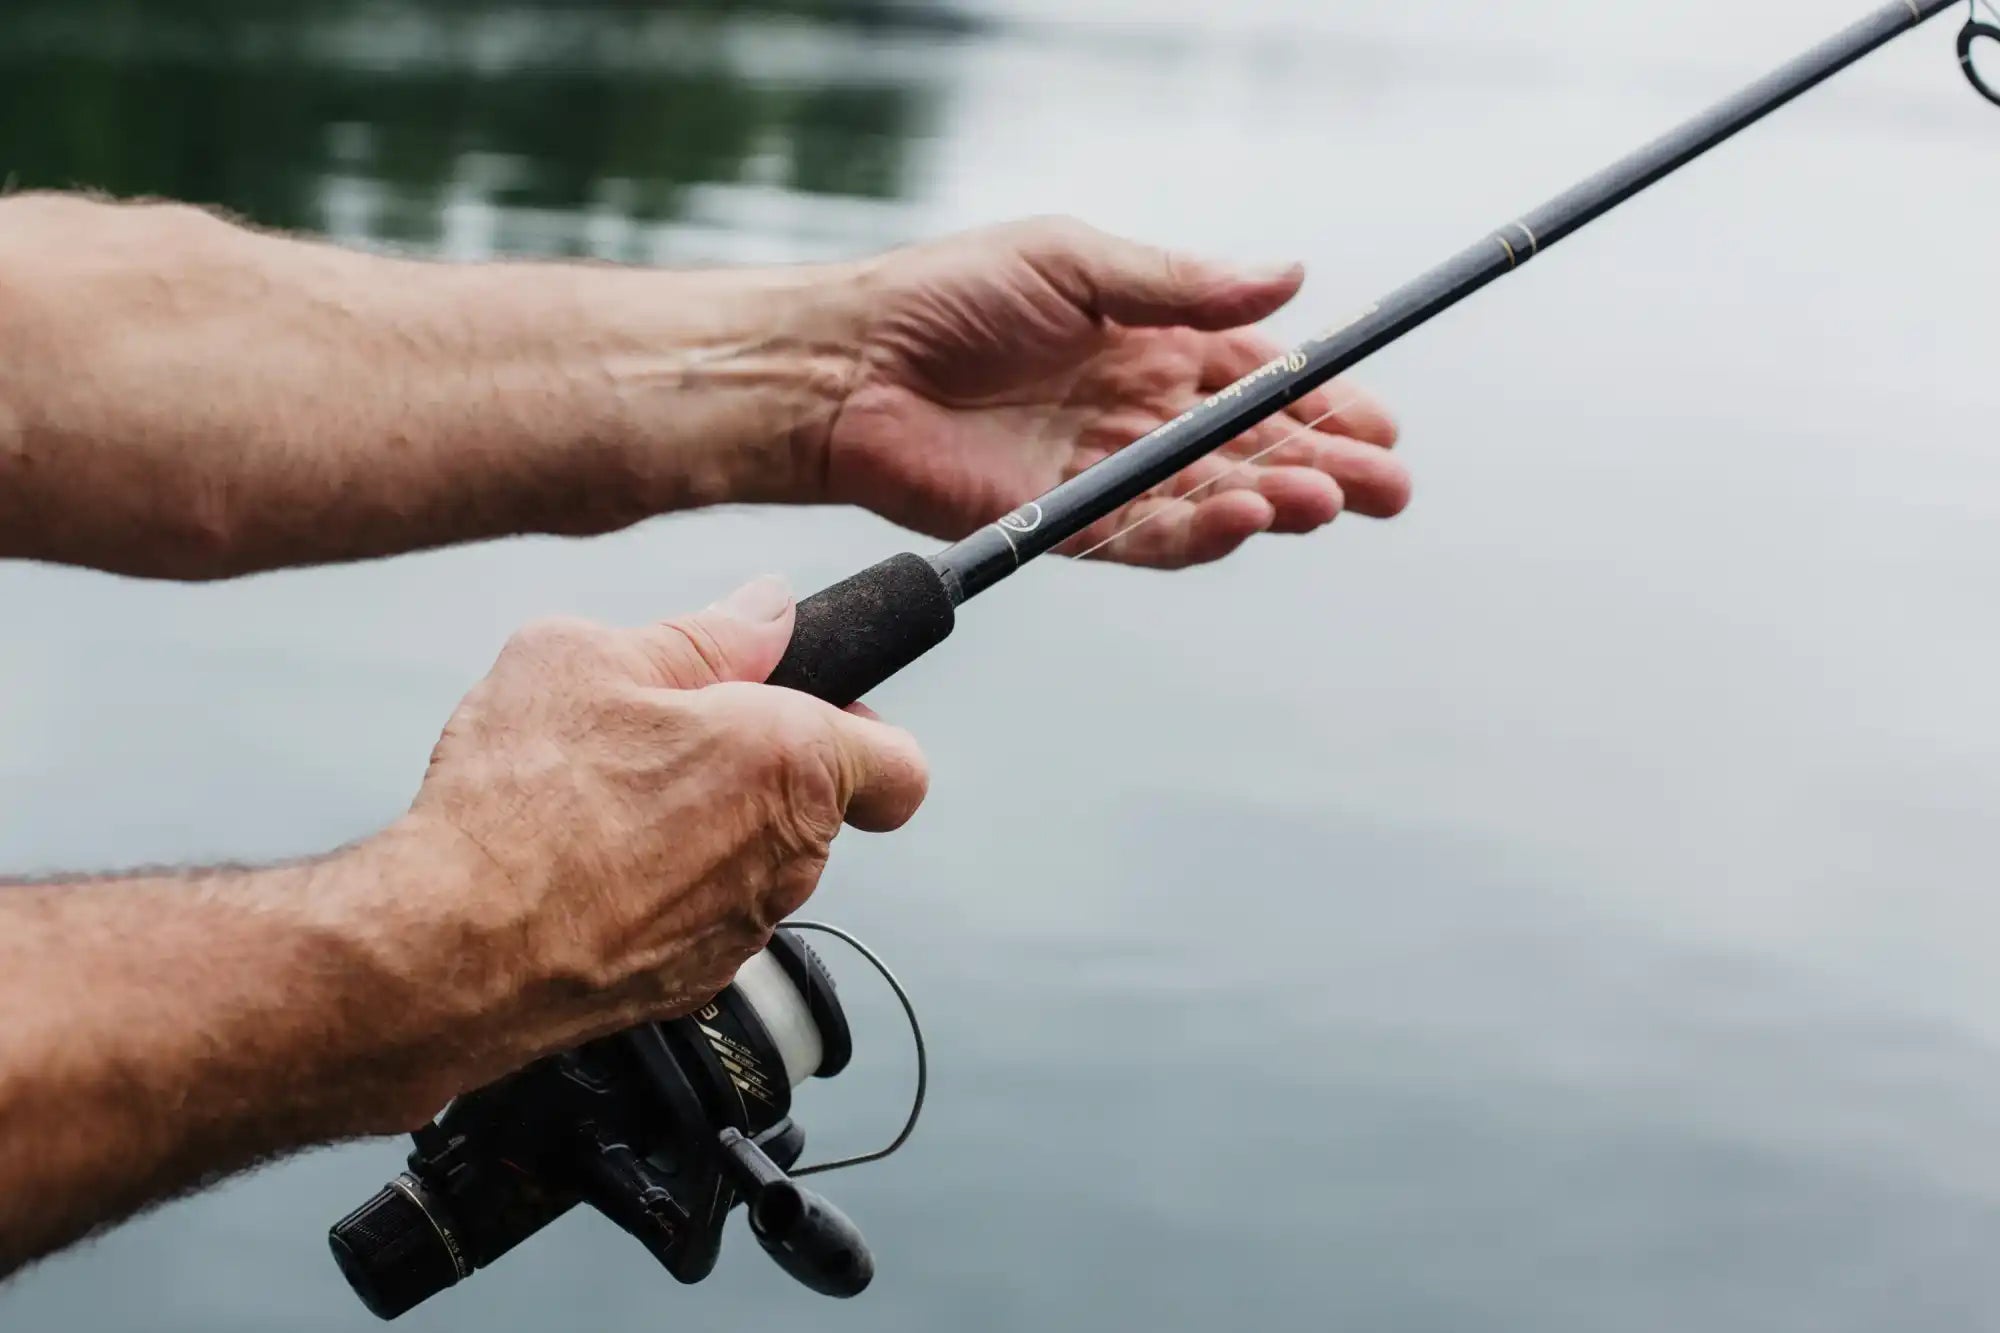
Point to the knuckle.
(814, 775)
(753, 717)
(811, 791)
(692, 643)
(793, 889)
(1055, 231)
(791, 755)
(553, 634)
(746, 925)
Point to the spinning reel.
(663, 1128)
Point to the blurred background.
(1570, 907)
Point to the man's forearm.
(180, 397)
(160, 1033)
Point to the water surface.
(1567, 908)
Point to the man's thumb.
(1145, 286)
(740, 637)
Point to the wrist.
(396, 918)
(719, 386)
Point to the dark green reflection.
(369, 116)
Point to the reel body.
(663, 1128)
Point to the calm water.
(1569, 908)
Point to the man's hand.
(612, 823)
(999, 363)
(184, 398)
(642, 819)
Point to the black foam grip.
(856, 634)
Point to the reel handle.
(805, 1235)
(857, 633)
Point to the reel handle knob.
(813, 1241)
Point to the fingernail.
(759, 602)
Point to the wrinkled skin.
(615, 819)
(647, 815)
(1001, 362)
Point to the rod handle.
(857, 633)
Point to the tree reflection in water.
(614, 129)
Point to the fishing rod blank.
(861, 631)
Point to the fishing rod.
(666, 1127)
(856, 634)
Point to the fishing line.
(1167, 504)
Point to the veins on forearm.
(189, 399)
